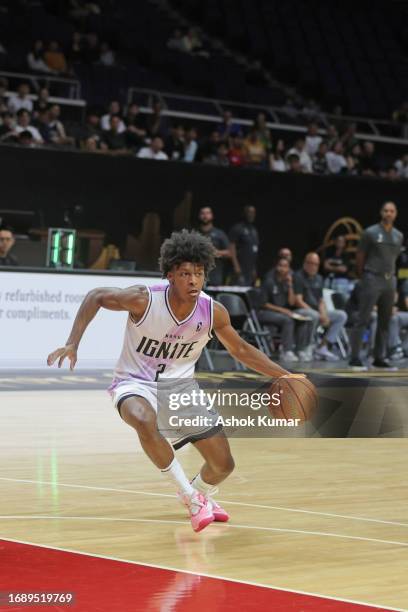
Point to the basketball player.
(167, 328)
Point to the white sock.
(176, 474)
(202, 486)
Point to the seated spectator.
(208, 148)
(290, 108)
(401, 166)
(21, 100)
(176, 42)
(312, 140)
(293, 164)
(286, 253)
(299, 149)
(7, 242)
(91, 129)
(278, 301)
(42, 124)
(107, 56)
(55, 58)
(174, 144)
(23, 125)
(113, 139)
(368, 162)
(312, 111)
(154, 150)
(354, 160)
(336, 162)
(157, 124)
(332, 136)
(227, 127)
(25, 139)
(92, 145)
(8, 133)
(221, 156)
(308, 288)
(114, 110)
(190, 145)
(57, 129)
(337, 265)
(255, 151)
(277, 157)
(42, 102)
(263, 132)
(348, 138)
(319, 163)
(237, 152)
(35, 58)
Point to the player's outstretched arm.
(133, 299)
(241, 350)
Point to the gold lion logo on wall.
(348, 227)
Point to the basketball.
(298, 399)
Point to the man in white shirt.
(304, 158)
(153, 151)
(313, 139)
(23, 125)
(114, 109)
(21, 99)
(336, 162)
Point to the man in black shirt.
(220, 242)
(6, 243)
(244, 241)
(278, 301)
(377, 252)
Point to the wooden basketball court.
(319, 516)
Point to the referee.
(377, 253)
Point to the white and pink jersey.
(158, 345)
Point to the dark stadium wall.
(115, 192)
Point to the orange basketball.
(298, 399)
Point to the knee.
(341, 316)
(140, 418)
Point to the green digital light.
(55, 248)
(70, 247)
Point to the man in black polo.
(308, 287)
(278, 301)
(244, 246)
(220, 242)
(7, 241)
(377, 252)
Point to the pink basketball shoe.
(199, 508)
(220, 515)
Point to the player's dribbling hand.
(69, 351)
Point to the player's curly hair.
(186, 246)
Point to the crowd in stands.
(35, 121)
